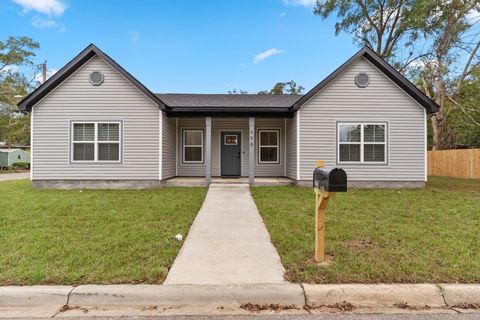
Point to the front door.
(231, 153)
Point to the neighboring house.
(9, 156)
(95, 125)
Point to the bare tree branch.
(466, 71)
(363, 6)
(413, 60)
(464, 111)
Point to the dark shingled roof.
(227, 100)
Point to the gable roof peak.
(86, 54)
(384, 67)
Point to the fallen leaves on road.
(255, 308)
(467, 306)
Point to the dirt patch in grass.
(359, 244)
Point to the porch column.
(208, 150)
(251, 150)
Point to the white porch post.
(208, 150)
(251, 150)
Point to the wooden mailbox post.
(325, 185)
(321, 202)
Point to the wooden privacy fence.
(462, 163)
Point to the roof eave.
(229, 111)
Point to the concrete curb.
(456, 294)
(187, 295)
(19, 296)
(421, 296)
(375, 295)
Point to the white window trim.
(277, 131)
(96, 142)
(362, 143)
(196, 146)
(230, 144)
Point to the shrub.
(20, 165)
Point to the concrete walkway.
(14, 176)
(227, 243)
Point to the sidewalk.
(14, 176)
(287, 298)
(227, 243)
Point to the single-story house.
(10, 156)
(95, 125)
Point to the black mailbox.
(334, 180)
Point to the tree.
(234, 91)
(15, 53)
(385, 26)
(289, 87)
(452, 58)
(279, 88)
(464, 119)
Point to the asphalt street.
(464, 316)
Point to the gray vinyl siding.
(77, 100)
(291, 152)
(231, 124)
(381, 101)
(168, 147)
(189, 169)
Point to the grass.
(91, 236)
(373, 236)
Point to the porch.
(214, 149)
(201, 181)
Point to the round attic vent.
(96, 78)
(361, 80)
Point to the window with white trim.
(362, 143)
(268, 146)
(193, 146)
(96, 141)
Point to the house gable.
(341, 100)
(77, 100)
(88, 53)
(390, 72)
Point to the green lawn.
(91, 236)
(424, 235)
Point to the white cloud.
(40, 23)
(50, 72)
(265, 54)
(8, 69)
(304, 3)
(473, 15)
(50, 7)
(134, 36)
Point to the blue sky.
(209, 46)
